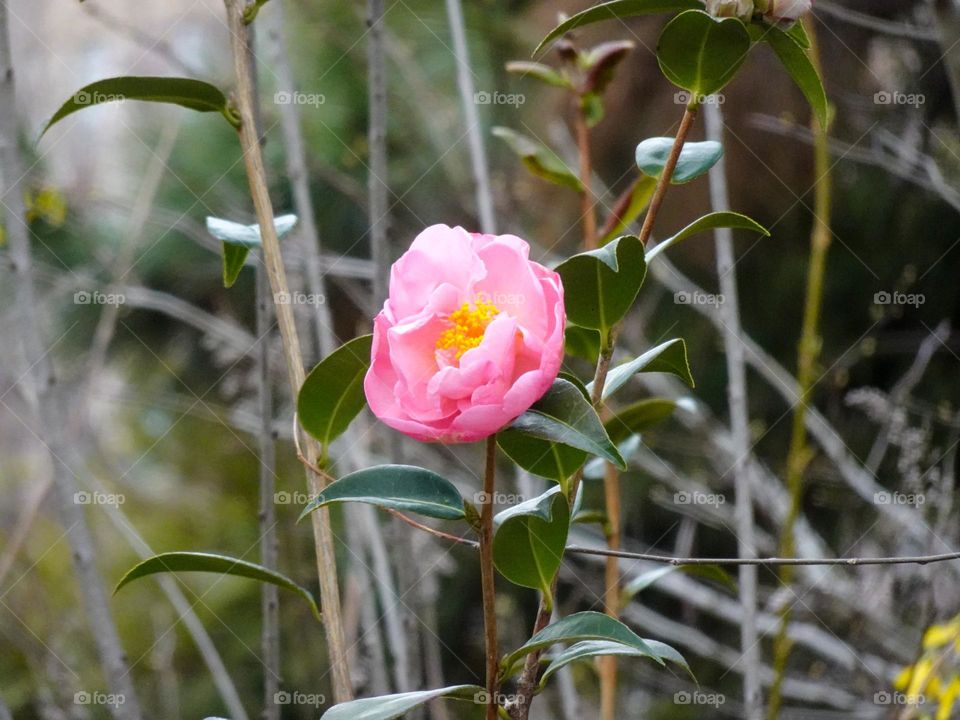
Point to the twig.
(256, 175)
(588, 208)
(488, 578)
(436, 533)
(38, 385)
(478, 155)
(808, 352)
(739, 422)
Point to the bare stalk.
(807, 356)
(478, 154)
(588, 209)
(38, 384)
(739, 424)
(256, 175)
(487, 576)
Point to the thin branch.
(488, 578)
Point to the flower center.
(469, 324)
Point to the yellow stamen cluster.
(469, 324)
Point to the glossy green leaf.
(388, 707)
(539, 71)
(189, 93)
(575, 628)
(668, 357)
(700, 53)
(529, 541)
(712, 221)
(601, 285)
(794, 58)
(397, 487)
(799, 34)
(539, 159)
(564, 416)
(616, 9)
(582, 342)
(639, 417)
(541, 457)
(237, 240)
(696, 158)
(176, 562)
(629, 207)
(591, 503)
(640, 583)
(596, 468)
(589, 649)
(332, 395)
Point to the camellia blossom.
(470, 337)
(742, 9)
(785, 12)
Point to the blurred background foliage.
(166, 417)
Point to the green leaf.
(539, 159)
(529, 541)
(601, 63)
(591, 503)
(539, 71)
(397, 487)
(189, 93)
(616, 9)
(595, 648)
(597, 467)
(700, 53)
(709, 222)
(574, 628)
(601, 285)
(582, 342)
(798, 64)
(639, 417)
(237, 240)
(332, 395)
(696, 158)
(388, 707)
(799, 35)
(209, 563)
(564, 416)
(629, 207)
(644, 580)
(541, 457)
(668, 357)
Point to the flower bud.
(785, 12)
(742, 9)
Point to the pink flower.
(470, 337)
(786, 12)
